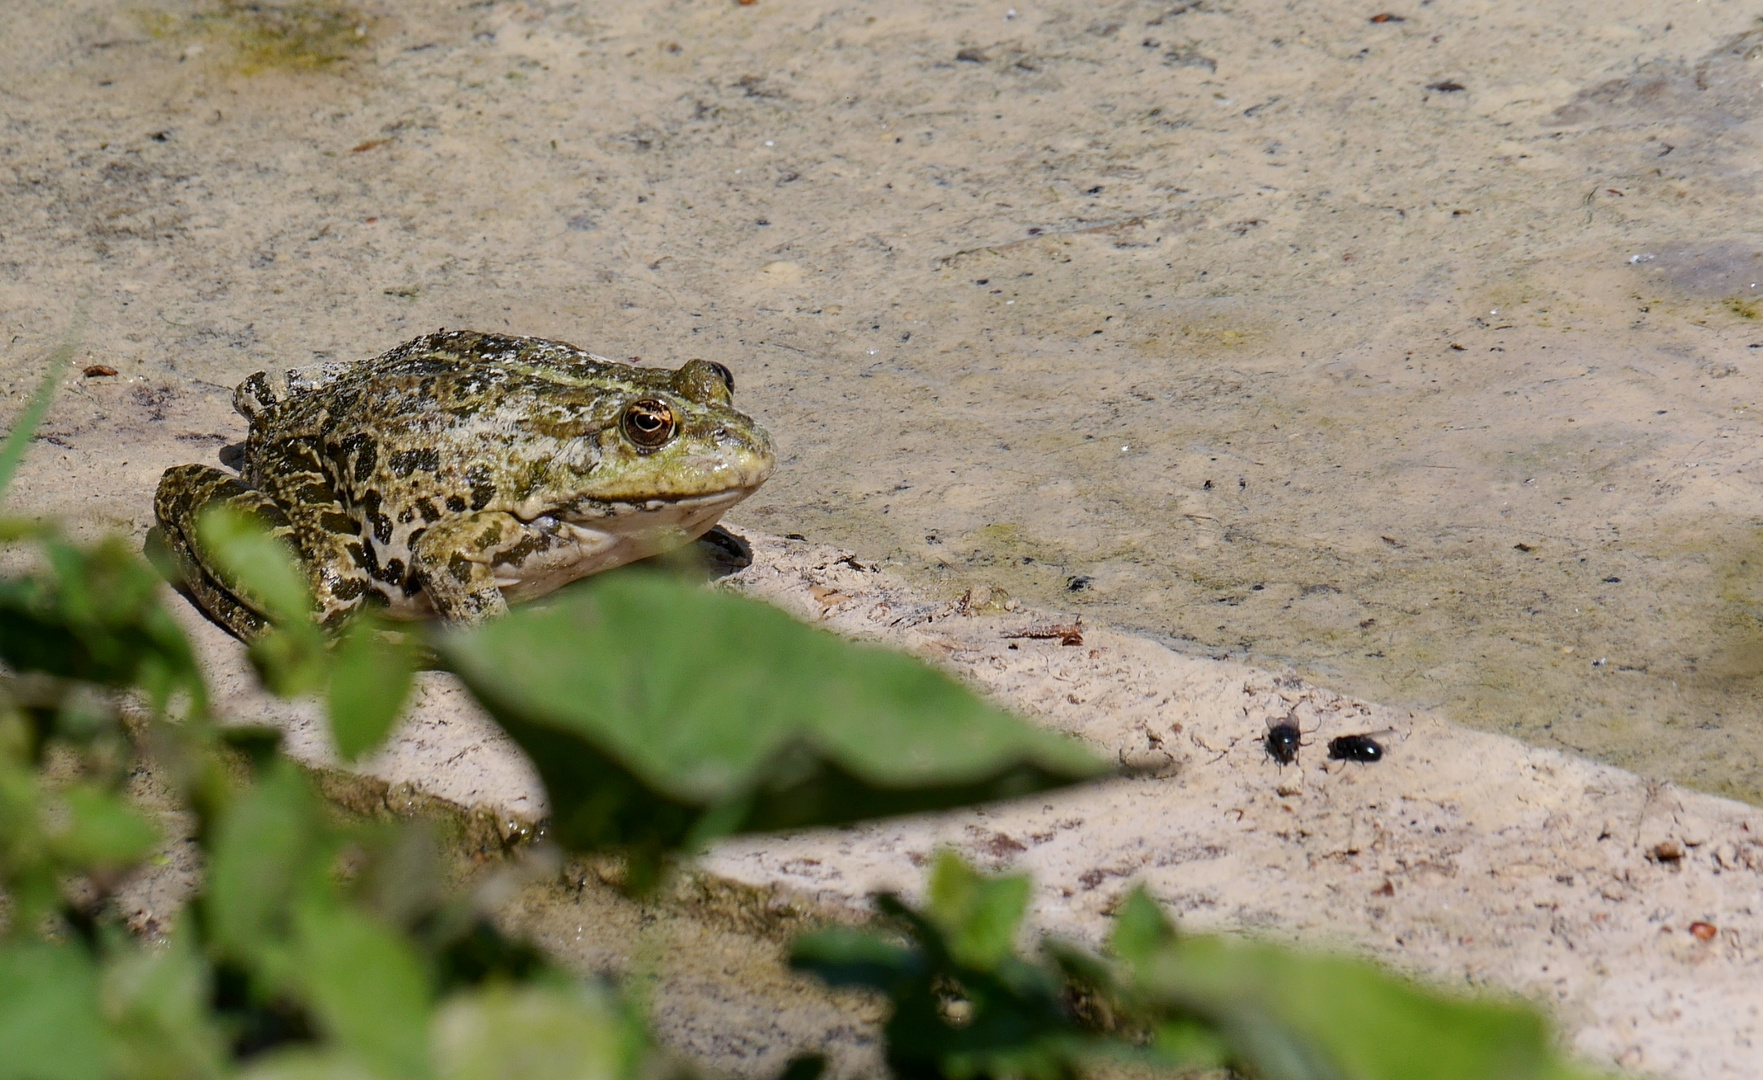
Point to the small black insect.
(1283, 740)
(1362, 748)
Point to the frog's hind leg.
(185, 492)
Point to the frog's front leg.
(185, 493)
(331, 567)
(465, 563)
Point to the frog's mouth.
(600, 536)
(639, 528)
(690, 514)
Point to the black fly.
(1283, 740)
(1361, 748)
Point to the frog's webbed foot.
(185, 492)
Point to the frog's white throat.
(614, 534)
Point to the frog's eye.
(723, 373)
(649, 424)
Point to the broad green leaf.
(94, 614)
(102, 830)
(28, 874)
(541, 1032)
(267, 848)
(1294, 1016)
(1141, 929)
(291, 660)
(257, 563)
(365, 986)
(371, 673)
(659, 713)
(964, 1003)
(156, 1001)
(842, 956)
(50, 1028)
(308, 1064)
(1189, 1043)
(978, 914)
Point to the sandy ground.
(1627, 907)
(1417, 355)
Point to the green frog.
(461, 471)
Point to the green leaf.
(308, 1064)
(1141, 929)
(842, 956)
(536, 1033)
(1190, 1043)
(102, 830)
(94, 614)
(1293, 1016)
(978, 914)
(660, 714)
(372, 669)
(366, 987)
(155, 999)
(264, 567)
(291, 660)
(964, 1003)
(267, 848)
(50, 1028)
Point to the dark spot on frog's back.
(420, 366)
(405, 462)
(381, 523)
(483, 489)
(313, 491)
(349, 588)
(357, 455)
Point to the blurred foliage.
(661, 715)
(966, 1004)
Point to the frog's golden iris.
(462, 470)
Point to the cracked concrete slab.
(1628, 907)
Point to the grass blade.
(18, 440)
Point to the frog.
(461, 472)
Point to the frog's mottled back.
(461, 469)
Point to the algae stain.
(1743, 307)
(1736, 629)
(272, 34)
